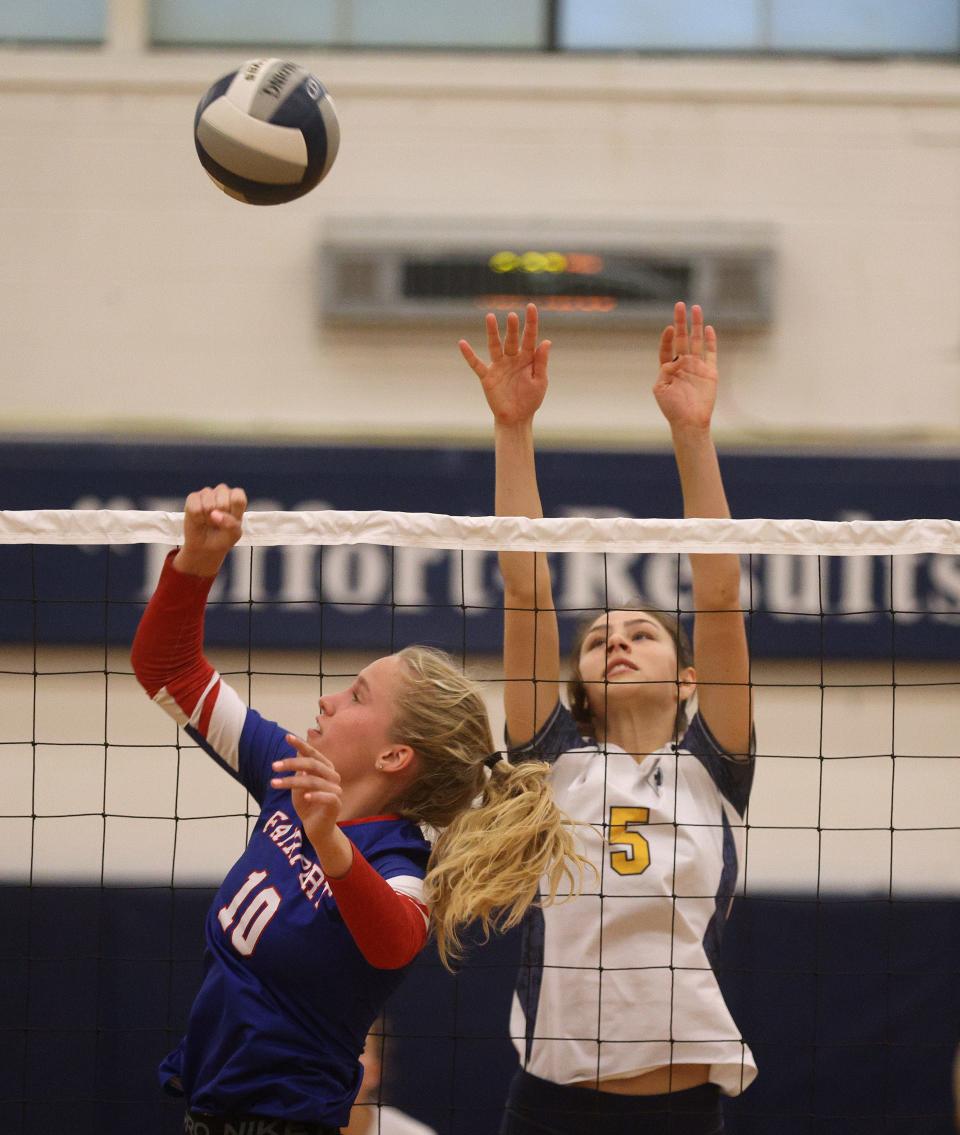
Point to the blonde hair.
(499, 829)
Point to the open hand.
(515, 380)
(314, 786)
(686, 387)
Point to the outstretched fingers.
(681, 342)
(307, 753)
(473, 360)
(511, 338)
(531, 324)
(310, 772)
(699, 341)
(513, 342)
(494, 346)
(696, 330)
(710, 345)
(541, 358)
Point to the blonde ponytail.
(488, 863)
(500, 832)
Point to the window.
(752, 27)
(858, 26)
(519, 25)
(658, 25)
(760, 26)
(54, 21)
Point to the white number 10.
(254, 919)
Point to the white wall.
(136, 296)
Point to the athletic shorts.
(539, 1107)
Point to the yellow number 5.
(636, 858)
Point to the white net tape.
(488, 533)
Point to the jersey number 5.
(253, 921)
(634, 859)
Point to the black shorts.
(539, 1107)
(199, 1123)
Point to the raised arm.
(167, 653)
(514, 383)
(686, 391)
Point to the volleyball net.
(115, 830)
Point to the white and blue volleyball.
(267, 133)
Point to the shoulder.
(559, 734)
(389, 842)
(259, 733)
(732, 776)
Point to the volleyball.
(267, 133)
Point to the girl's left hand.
(314, 786)
(686, 387)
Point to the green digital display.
(556, 279)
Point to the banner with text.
(367, 596)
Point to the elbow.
(394, 951)
(137, 662)
(382, 959)
(144, 668)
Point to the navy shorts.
(539, 1107)
(200, 1123)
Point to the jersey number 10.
(252, 923)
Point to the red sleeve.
(168, 646)
(390, 929)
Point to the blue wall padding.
(852, 1007)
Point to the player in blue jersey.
(337, 889)
(618, 1019)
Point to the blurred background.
(794, 168)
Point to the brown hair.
(577, 690)
(500, 831)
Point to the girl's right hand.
(212, 524)
(515, 380)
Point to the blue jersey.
(287, 998)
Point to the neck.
(373, 793)
(638, 731)
(365, 798)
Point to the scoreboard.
(631, 276)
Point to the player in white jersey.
(619, 1020)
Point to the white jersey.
(620, 980)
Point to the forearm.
(198, 563)
(525, 574)
(517, 492)
(389, 928)
(334, 850)
(168, 645)
(531, 645)
(716, 578)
